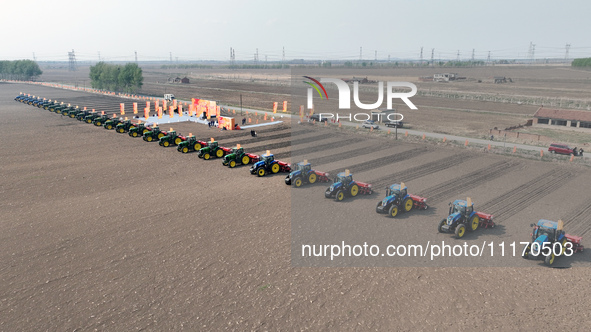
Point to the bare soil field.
(105, 232)
(455, 108)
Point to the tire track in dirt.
(376, 163)
(423, 170)
(515, 200)
(327, 146)
(288, 133)
(470, 180)
(279, 145)
(578, 221)
(331, 157)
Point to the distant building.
(446, 77)
(185, 80)
(562, 118)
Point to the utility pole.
(360, 53)
(458, 56)
(72, 61)
(99, 55)
(34, 57)
(472, 55)
(283, 56)
(488, 58)
(421, 54)
(376, 56)
(565, 56)
(136, 57)
(432, 56)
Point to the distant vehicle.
(317, 118)
(394, 124)
(564, 149)
(370, 124)
(169, 96)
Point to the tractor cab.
(303, 167)
(547, 231)
(461, 207)
(267, 159)
(343, 178)
(396, 190)
(237, 151)
(213, 145)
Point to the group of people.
(578, 152)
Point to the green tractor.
(171, 139)
(90, 117)
(72, 112)
(237, 156)
(83, 114)
(154, 134)
(49, 105)
(59, 109)
(138, 130)
(212, 150)
(99, 121)
(190, 144)
(112, 123)
(124, 126)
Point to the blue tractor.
(548, 241)
(343, 185)
(303, 173)
(268, 164)
(462, 217)
(398, 199)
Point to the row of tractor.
(548, 238)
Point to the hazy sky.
(201, 30)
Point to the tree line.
(26, 70)
(128, 78)
(582, 62)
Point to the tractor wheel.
(219, 153)
(232, 163)
(440, 225)
(177, 141)
(312, 178)
(275, 168)
(564, 242)
(407, 204)
(525, 254)
(160, 135)
(298, 182)
(206, 156)
(134, 134)
(121, 130)
(393, 211)
(378, 207)
(354, 190)
(145, 131)
(166, 144)
(98, 124)
(549, 260)
(109, 127)
(88, 121)
(460, 231)
(131, 127)
(149, 138)
(245, 160)
(474, 223)
(261, 171)
(72, 115)
(185, 150)
(197, 147)
(340, 196)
